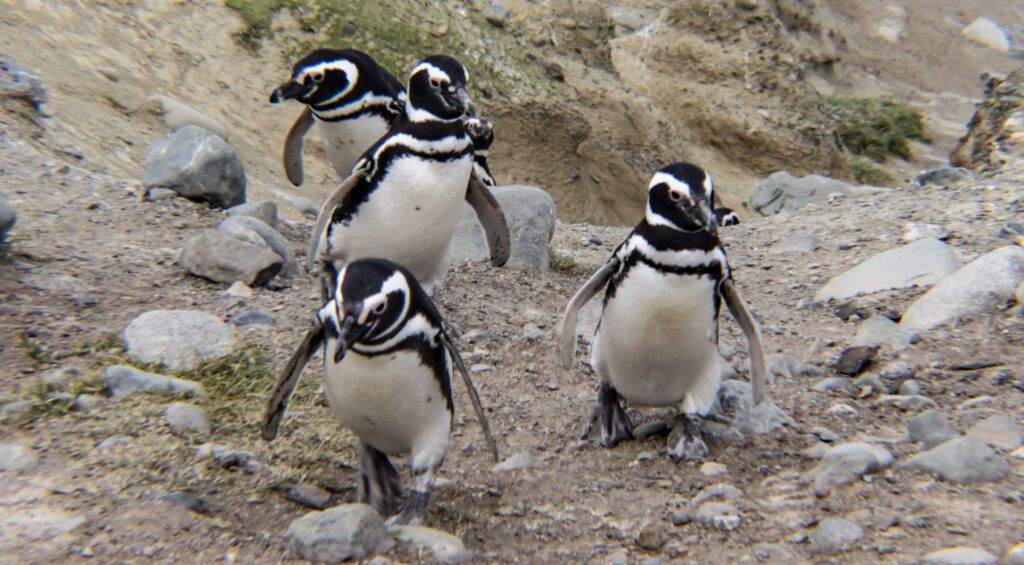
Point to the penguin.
(388, 364)
(349, 96)
(403, 198)
(656, 343)
(726, 217)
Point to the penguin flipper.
(567, 345)
(474, 396)
(328, 208)
(285, 384)
(738, 309)
(492, 218)
(293, 144)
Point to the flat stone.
(712, 469)
(239, 289)
(832, 383)
(530, 212)
(17, 458)
(242, 227)
(186, 499)
(183, 418)
(920, 263)
(942, 176)
(960, 460)
(825, 434)
(180, 340)
(445, 547)
(122, 380)
(783, 191)
(197, 164)
(853, 360)
(800, 243)
(735, 400)
(960, 556)
(931, 428)
(983, 285)
(89, 402)
(177, 115)
(17, 410)
(790, 366)
(998, 431)
(253, 317)
(984, 31)
(114, 442)
(914, 231)
(846, 463)
(299, 203)
(833, 535)
(516, 462)
(722, 491)
(263, 210)
(718, 515)
(912, 402)
(222, 258)
(879, 330)
(308, 495)
(342, 533)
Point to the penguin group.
(410, 154)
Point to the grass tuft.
(877, 127)
(865, 171)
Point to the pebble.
(89, 402)
(879, 330)
(8, 217)
(308, 495)
(845, 463)
(121, 380)
(184, 418)
(920, 263)
(17, 410)
(833, 535)
(708, 512)
(721, 490)
(800, 243)
(826, 435)
(652, 537)
(158, 194)
(343, 533)
(239, 289)
(445, 547)
(984, 31)
(497, 14)
(681, 518)
(840, 409)
(177, 339)
(712, 469)
(832, 383)
(910, 387)
(533, 332)
(186, 499)
(735, 401)
(853, 360)
(519, 461)
(960, 556)
(263, 210)
(253, 318)
(16, 457)
(790, 366)
(998, 431)
(930, 427)
(114, 442)
(960, 460)
(911, 403)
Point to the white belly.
(409, 219)
(391, 402)
(345, 141)
(656, 341)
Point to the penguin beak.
(288, 91)
(708, 219)
(348, 334)
(460, 100)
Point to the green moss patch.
(877, 127)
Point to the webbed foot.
(686, 443)
(380, 484)
(413, 512)
(609, 423)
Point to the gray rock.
(846, 463)
(530, 212)
(960, 460)
(17, 410)
(920, 263)
(187, 500)
(721, 490)
(681, 518)
(826, 435)
(253, 318)
(497, 14)
(912, 402)
(910, 387)
(308, 495)
(800, 243)
(1014, 555)
(914, 231)
(521, 460)
(197, 164)
(177, 115)
(263, 210)
(114, 442)
(121, 380)
(879, 330)
(832, 383)
(719, 515)
(735, 400)
(299, 203)
(222, 258)
(984, 31)
(445, 547)
(853, 360)
(998, 431)
(8, 217)
(183, 418)
(624, 20)
(342, 533)
(833, 535)
(177, 339)
(982, 285)
(791, 367)
(930, 427)
(783, 191)
(960, 556)
(17, 82)
(17, 457)
(245, 225)
(89, 402)
(942, 176)
(158, 194)
(229, 458)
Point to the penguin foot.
(413, 512)
(687, 442)
(380, 484)
(609, 423)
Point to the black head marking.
(329, 78)
(679, 196)
(374, 294)
(437, 90)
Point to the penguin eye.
(436, 83)
(316, 77)
(379, 309)
(675, 195)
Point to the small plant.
(258, 15)
(31, 348)
(562, 263)
(865, 171)
(877, 127)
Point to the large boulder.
(530, 212)
(994, 133)
(198, 165)
(919, 263)
(783, 191)
(179, 340)
(222, 258)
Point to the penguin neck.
(668, 238)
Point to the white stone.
(920, 263)
(988, 33)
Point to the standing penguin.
(388, 364)
(657, 340)
(403, 198)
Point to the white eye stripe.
(347, 67)
(433, 72)
(370, 306)
(673, 184)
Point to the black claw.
(414, 511)
(380, 483)
(609, 423)
(687, 442)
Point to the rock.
(17, 410)
(681, 518)
(960, 460)
(910, 387)
(198, 165)
(1015, 555)
(17, 458)
(225, 259)
(834, 535)
(177, 115)
(920, 263)
(783, 191)
(239, 289)
(229, 458)
(846, 463)
(790, 366)
(253, 317)
(942, 176)
(832, 383)
(998, 431)
(816, 451)
(121, 380)
(879, 330)
(825, 434)
(114, 442)
(624, 20)
(992, 135)
(521, 460)
(8, 217)
(242, 227)
(735, 401)
(914, 231)
(929, 427)
(183, 418)
(853, 360)
(912, 402)
(982, 285)
(263, 210)
(89, 402)
(497, 14)
(17, 82)
(554, 71)
(158, 194)
(307, 495)
(712, 469)
(186, 499)
(652, 537)
(720, 490)
(342, 533)
(719, 515)
(960, 556)
(530, 212)
(984, 31)
(177, 339)
(299, 203)
(801, 243)
(445, 547)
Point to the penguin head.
(325, 76)
(371, 301)
(437, 90)
(679, 196)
